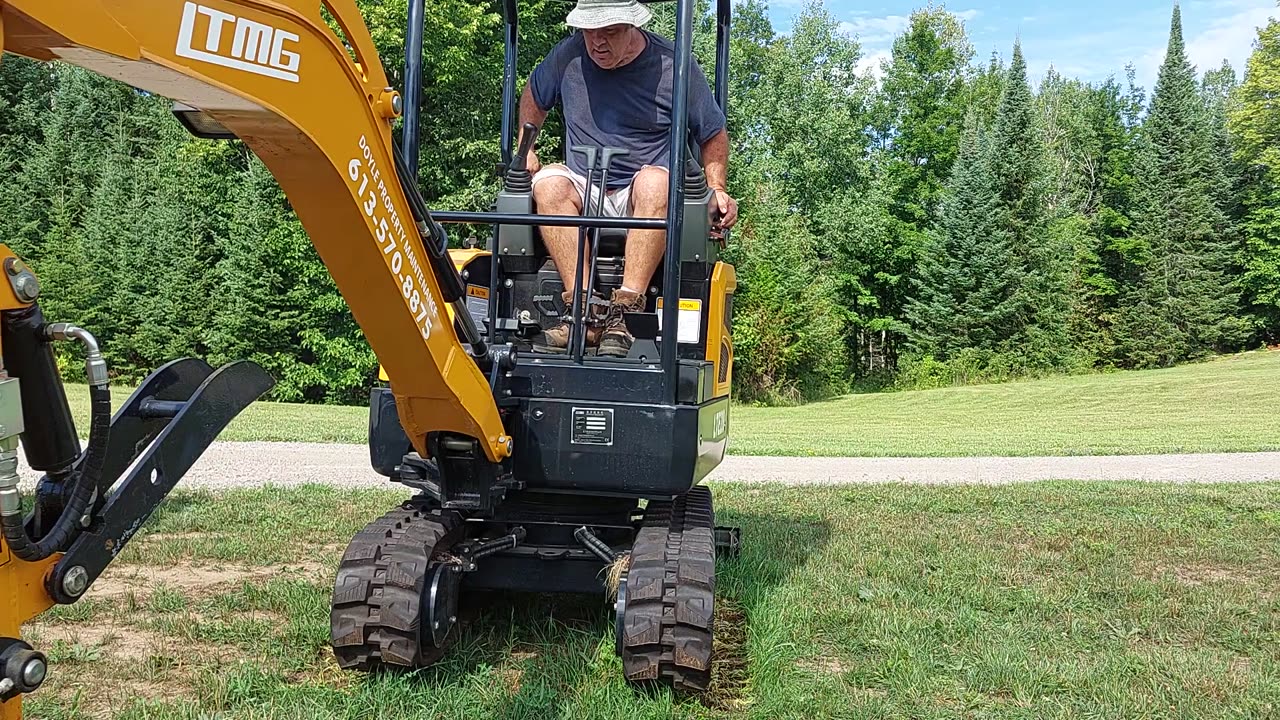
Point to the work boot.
(617, 340)
(557, 338)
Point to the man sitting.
(614, 82)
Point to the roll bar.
(679, 152)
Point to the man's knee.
(553, 190)
(649, 189)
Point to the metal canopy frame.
(678, 156)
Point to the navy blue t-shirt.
(627, 107)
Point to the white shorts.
(617, 203)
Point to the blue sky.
(1088, 39)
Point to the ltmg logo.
(236, 42)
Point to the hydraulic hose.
(88, 474)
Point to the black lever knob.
(521, 160)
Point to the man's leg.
(644, 251)
(556, 191)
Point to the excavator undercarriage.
(532, 470)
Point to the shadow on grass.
(541, 655)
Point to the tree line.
(951, 221)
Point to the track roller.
(393, 604)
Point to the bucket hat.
(592, 14)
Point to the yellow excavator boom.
(315, 106)
(299, 82)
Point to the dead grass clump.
(613, 574)
(729, 677)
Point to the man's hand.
(728, 211)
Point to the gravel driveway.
(242, 464)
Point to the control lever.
(517, 177)
(606, 159)
(577, 329)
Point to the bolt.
(76, 581)
(33, 674)
(509, 283)
(537, 414)
(435, 625)
(86, 520)
(26, 287)
(453, 618)
(14, 266)
(397, 104)
(466, 274)
(6, 685)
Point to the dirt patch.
(192, 579)
(1197, 574)
(127, 643)
(511, 671)
(824, 665)
(120, 641)
(729, 678)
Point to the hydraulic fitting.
(95, 367)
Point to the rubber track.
(670, 599)
(376, 615)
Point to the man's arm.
(530, 113)
(715, 162)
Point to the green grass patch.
(1029, 601)
(1224, 405)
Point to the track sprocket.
(669, 602)
(378, 609)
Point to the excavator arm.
(316, 108)
(299, 82)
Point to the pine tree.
(919, 115)
(1255, 132)
(966, 285)
(1020, 183)
(1102, 268)
(1184, 306)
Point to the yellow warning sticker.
(689, 325)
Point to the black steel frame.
(673, 223)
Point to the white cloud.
(876, 31)
(871, 63)
(1228, 35)
(1229, 38)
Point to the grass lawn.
(1226, 405)
(1031, 601)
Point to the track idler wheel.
(394, 602)
(666, 602)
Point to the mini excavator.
(531, 471)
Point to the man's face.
(608, 46)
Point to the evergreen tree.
(1255, 132)
(1184, 305)
(919, 115)
(1102, 268)
(1020, 182)
(966, 286)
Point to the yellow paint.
(322, 127)
(22, 599)
(694, 305)
(724, 281)
(22, 594)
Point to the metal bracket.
(156, 452)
